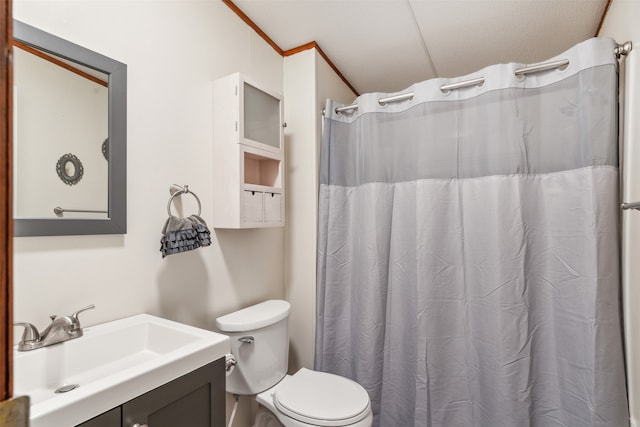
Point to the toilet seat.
(322, 399)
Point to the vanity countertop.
(111, 364)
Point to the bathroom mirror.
(69, 115)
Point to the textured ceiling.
(387, 45)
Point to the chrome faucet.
(60, 329)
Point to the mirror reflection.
(61, 121)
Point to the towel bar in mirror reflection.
(633, 205)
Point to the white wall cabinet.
(248, 149)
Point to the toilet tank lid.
(254, 317)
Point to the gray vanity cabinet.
(196, 399)
(111, 418)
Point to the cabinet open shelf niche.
(261, 171)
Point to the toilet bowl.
(310, 398)
(266, 418)
(260, 343)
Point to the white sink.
(111, 363)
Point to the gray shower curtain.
(468, 265)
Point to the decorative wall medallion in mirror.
(105, 149)
(70, 169)
(67, 98)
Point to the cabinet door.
(262, 122)
(253, 206)
(272, 207)
(112, 418)
(195, 400)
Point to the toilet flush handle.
(246, 339)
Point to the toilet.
(260, 343)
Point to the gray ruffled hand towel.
(184, 234)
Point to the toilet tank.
(260, 343)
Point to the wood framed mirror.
(69, 101)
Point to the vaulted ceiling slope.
(387, 45)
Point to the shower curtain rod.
(619, 50)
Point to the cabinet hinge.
(236, 90)
(236, 126)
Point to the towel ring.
(177, 190)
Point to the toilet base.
(266, 418)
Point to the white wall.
(300, 100)
(308, 82)
(621, 23)
(174, 50)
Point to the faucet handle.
(30, 333)
(74, 316)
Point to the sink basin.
(111, 364)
